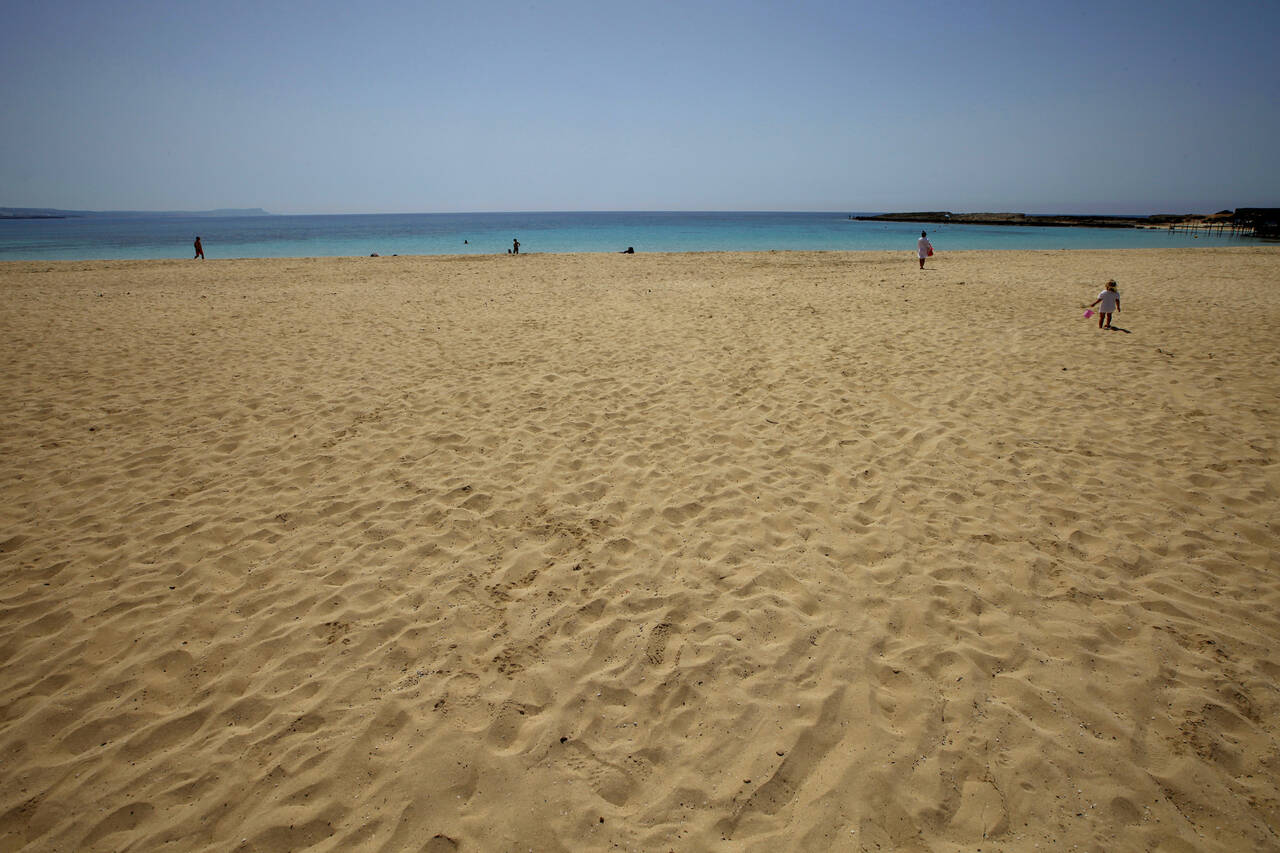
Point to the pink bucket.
(1088, 313)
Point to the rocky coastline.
(1055, 220)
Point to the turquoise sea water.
(491, 233)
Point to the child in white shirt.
(1110, 301)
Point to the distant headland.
(1251, 219)
(53, 213)
(948, 218)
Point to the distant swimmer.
(924, 248)
(515, 247)
(199, 250)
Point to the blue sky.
(377, 106)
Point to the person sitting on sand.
(1110, 299)
(923, 248)
(630, 250)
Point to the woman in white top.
(923, 248)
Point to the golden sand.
(795, 551)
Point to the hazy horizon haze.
(389, 107)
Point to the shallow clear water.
(492, 233)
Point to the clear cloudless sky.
(841, 105)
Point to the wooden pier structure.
(1243, 222)
(1263, 221)
(1220, 226)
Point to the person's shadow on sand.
(1118, 329)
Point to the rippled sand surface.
(658, 552)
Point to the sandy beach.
(793, 551)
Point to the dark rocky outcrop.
(1066, 221)
(1041, 220)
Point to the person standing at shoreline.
(515, 247)
(199, 250)
(923, 248)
